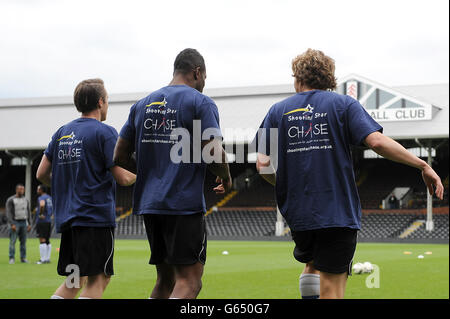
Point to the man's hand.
(41, 216)
(28, 228)
(225, 185)
(431, 179)
(13, 227)
(265, 168)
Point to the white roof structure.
(406, 112)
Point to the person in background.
(392, 202)
(44, 214)
(18, 216)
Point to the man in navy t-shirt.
(308, 159)
(78, 163)
(44, 213)
(176, 135)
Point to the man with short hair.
(314, 179)
(78, 164)
(44, 214)
(169, 191)
(18, 216)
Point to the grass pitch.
(251, 270)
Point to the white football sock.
(309, 286)
(56, 297)
(49, 252)
(43, 251)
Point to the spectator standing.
(392, 202)
(19, 222)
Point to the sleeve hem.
(361, 141)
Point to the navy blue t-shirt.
(48, 209)
(164, 186)
(83, 188)
(315, 183)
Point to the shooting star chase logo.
(308, 109)
(69, 149)
(70, 136)
(160, 104)
(303, 126)
(162, 117)
(300, 114)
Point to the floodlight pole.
(279, 225)
(29, 162)
(429, 226)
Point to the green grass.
(250, 270)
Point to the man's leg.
(332, 286)
(95, 286)
(48, 250)
(188, 281)
(63, 292)
(165, 281)
(309, 283)
(95, 258)
(22, 232)
(334, 254)
(42, 250)
(12, 243)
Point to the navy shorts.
(330, 249)
(176, 239)
(89, 248)
(43, 230)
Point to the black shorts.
(176, 239)
(43, 230)
(330, 249)
(89, 248)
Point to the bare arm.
(265, 168)
(123, 155)
(390, 149)
(220, 168)
(44, 171)
(123, 176)
(41, 209)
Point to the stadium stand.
(251, 211)
(440, 231)
(131, 226)
(384, 225)
(124, 199)
(375, 226)
(260, 223)
(241, 222)
(383, 176)
(256, 193)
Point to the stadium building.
(415, 116)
